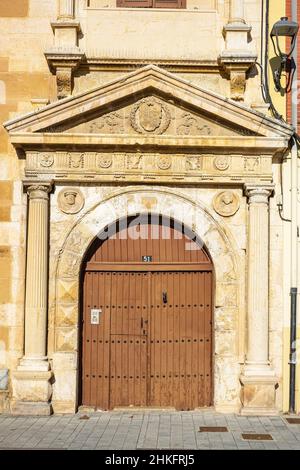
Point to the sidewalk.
(145, 430)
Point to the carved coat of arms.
(150, 115)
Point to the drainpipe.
(294, 234)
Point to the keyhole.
(164, 297)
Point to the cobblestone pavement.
(144, 430)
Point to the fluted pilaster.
(66, 9)
(236, 14)
(258, 275)
(36, 278)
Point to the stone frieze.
(147, 166)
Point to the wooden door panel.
(180, 340)
(128, 371)
(128, 339)
(96, 354)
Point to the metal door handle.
(165, 297)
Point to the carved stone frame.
(64, 308)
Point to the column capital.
(38, 189)
(258, 194)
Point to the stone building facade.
(112, 111)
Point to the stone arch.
(223, 253)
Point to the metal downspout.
(294, 234)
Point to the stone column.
(36, 278)
(258, 378)
(258, 273)
(236, 14)
(66, 9)
(31, 388)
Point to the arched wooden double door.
(147, 320)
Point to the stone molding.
(147, 166)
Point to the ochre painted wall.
(24, 75)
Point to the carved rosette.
(70, 200)
(222, 162)
(164, 162)
(47, 160)
(104, 160)
(150, 116)
(226, 203)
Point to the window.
(151, 3)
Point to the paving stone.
(144, 430)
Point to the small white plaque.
(95, 316)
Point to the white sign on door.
(95, 316)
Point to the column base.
(32, 408)
(4, 401)
(34, 364)
(257, 369)
(258, 395)
(32, 391)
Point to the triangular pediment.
(149, 101)
(148, 114)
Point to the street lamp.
(287, 29)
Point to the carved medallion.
(164, 162)
(70, 200)
(221, 162)
(150, 116)
(226, 203)
(47, 160)
(104, 160)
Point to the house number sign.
(95, 316)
